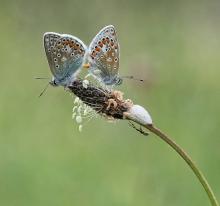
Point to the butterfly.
(65, 54)
(103, 56)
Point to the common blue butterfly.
(65, 54)
(103, 56)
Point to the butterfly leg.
(87, 76)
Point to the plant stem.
(181, 152)
(188, 160)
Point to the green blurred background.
(45, 160)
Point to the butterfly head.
(113, 81)
(118, 81)
(54, 83)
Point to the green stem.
(188, 160)
(182, 153)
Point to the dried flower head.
(92, 100)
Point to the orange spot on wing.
(98, 49)
(101, 44)
(75, 47)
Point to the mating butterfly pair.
(67, 54)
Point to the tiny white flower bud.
(76, 100)
(140, 114)
(80, 128)
(85, 83)
(85, 112)
(74, 108)
(79, 109)
(78, 119)
(73, 115)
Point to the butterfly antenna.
(41, 78)
(45, 88)
(133, 78)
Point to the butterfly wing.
(104, 55)
(65, 55)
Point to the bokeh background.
(45, 160)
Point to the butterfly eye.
(72, 54)
(119, 81)
(57, 66)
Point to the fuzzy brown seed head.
(107, 103)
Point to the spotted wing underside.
(104, 54)
(65, 54)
